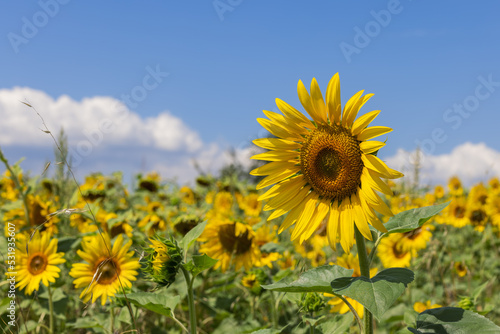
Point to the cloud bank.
(103, 132)
(471, 162)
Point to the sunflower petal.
(318, 102)
(333, 225)
(355, 109)
(333, 99)
(363, 121)
(349, 108)
(306, 101)
(277, 156)
(294, 114)
(371, 146)
(373, 132)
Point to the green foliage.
(453, 320)
(412, 219)
(157, 302)
(378, 293)
(314, 280)
(191, 237)
(199, 263)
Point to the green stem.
(51, 311)
(364, 266)
(112, 320)
(179, 323)
(192, 310)
(274, 313)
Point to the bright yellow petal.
(371, 146)
(333, 99)
(276, 144)
(363, 121)
(306, 101)
(373, 132)
(294, 114)
(318, 102)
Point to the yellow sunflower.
(455, 186)
(477, 216)
(455, 213)
(460, 268)
(107, 269)
(250, 205)
(39, 263)
(439, 191)
(231, 243)
(154, 220)
(416, 239)
(478, 194)
(392, 254)
(494, 185)
(493, 209)
(421, 307)
(324, 168)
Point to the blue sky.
(228, 60)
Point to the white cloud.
(104, 135)
(96, 120)
(470, 162)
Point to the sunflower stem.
(112, 320)
(274, 313)
(364, 266)
(51, 311)
(192, 310)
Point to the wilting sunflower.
(324, 168)
(107, 268)
(39, 263)
(231, 243)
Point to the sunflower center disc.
(106, 272)
(37, 264)
(330, 160)
(231, 242)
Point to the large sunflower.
(324, 168)
(104, 273)
(230, 242)
(38, 264)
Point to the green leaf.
(200, 263)
(159, 303)
(376, 294)
(412, 219)
(447, 320)
(191, 236)
(314, 280)
(268, 331)
(338, 325)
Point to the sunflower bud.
(162, 260)
(312, 302)
(466, 303)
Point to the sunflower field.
(322, 238)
